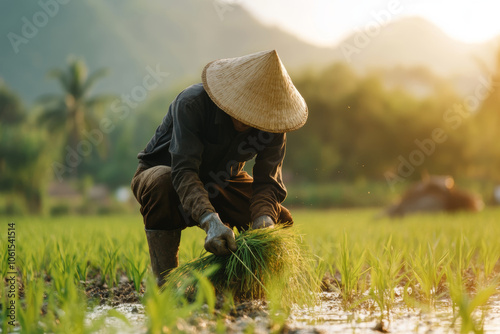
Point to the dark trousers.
(162, 210)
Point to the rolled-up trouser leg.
(160, 205)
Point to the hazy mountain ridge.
(180, 37)
(127, 37)
(415, 42)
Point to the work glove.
(262, 222)
(220, 238)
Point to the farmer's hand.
(220, 238)
(262, 222)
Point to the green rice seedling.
(68, 311)
(136, 264)
(350, 266)
(65, 312)
(30, 313)
(66, 259)
(81, 269)
(163, 309)
(464, 306)
(205, 292)
(461, 258)
(467, 251)
(386, 274)
(62, 274)
(462, 254)
(92, 238)
(275, 255)
(136, 270)
(110, 272)
(36, 268)
(60, 283)
(30, 264)
(428, 270)
(40, 256)
(408, 297)
(489, 255)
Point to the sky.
(327, 22)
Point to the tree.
(11, 108)
(486, 124)
(23, 153)
(74, 112)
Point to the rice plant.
(264, 258)
(30, 315)
(136, 265)
(465, 306)
(165, 306)
(428, 270)
(350, 266)
(110, 268)
(386, 275)
(430, 257)
(489, 256)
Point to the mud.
(134, 313)
(328, 316)
(101, 294)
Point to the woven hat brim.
(257, 91)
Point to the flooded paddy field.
(328, 316)
(421, 274)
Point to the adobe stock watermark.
(223, 6)
(453, 117)
(120, 109)
(371, 30)
(31, 26)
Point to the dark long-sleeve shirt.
(198, 140)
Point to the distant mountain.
(127, 36)
(413, 42)
(180, 37)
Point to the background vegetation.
(70, 126)
(358, 131)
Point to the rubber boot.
(163, 251)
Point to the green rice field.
(423, 272)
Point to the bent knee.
(159, 177)
(154, 180)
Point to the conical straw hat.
(256, 90)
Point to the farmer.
(191, 171)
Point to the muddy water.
(329, 317)
(134, 313)
(326, 317)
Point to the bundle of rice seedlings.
(271, 262)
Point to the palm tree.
(73, 112)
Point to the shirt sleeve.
(268, 187)
(186, 149)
